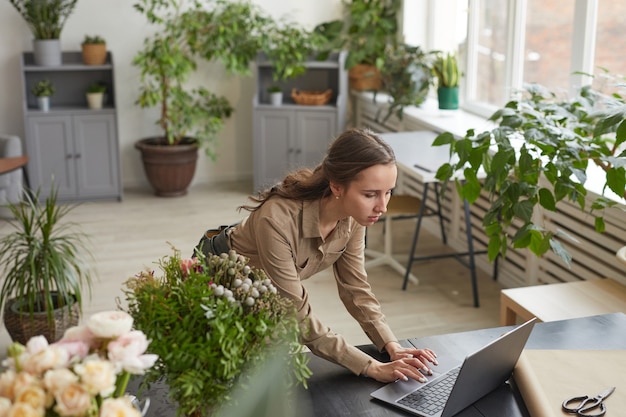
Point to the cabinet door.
(50, 147)
(316, 129)
(274, 131)
(96, 156)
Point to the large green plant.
(407, 77)
(371, 26)
(45, 18)
(211, 323)
(42, 255)
(538, 155)
(229, 32)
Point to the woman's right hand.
(403, 369)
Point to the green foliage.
(210, 327)
(96, 88)
(45, 18)
(229, 32)
(93, 40)
(538, 155)
(43, 88)
(446, 69)
(43, 254)
(407, 77)
(371, 27)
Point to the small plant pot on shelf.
(94, 53)
(47, 52)
(43, 103)
(276, 98)
(95, 100)
(448, 98)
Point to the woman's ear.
(336, 189)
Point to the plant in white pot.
(44, 269)
(46, 19)
(95, 95)
(43, 90)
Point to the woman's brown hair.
(349, 154)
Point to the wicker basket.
(311, 98)
(21, 326)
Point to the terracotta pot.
(365, 77)
(94, 53)
(169, 168)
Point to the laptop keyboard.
(431, 398)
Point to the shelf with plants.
(71, 81)
(69, 140)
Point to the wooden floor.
(129, 236)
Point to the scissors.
(586, 406)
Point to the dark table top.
(333, 391)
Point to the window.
(507, 43)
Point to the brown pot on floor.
(169, 168)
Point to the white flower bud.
(249, 301)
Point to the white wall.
(124, 30)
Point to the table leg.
(470, 250)
(420, 215)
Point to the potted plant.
(94, 50)
(43, 90)
(406, 77)
(276, 95)
(536, 156)
(44, 264)
(95, 95)
(446, 70)
(225, 320)
(371, 27)
(45, 19)
(231, 32)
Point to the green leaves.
(537, 156)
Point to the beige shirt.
(283, 238)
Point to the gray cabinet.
(292, 136)
(71, 145)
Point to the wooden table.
(562, 301)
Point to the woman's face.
(366, 197)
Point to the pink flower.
(127, 351)
(110, 324)
(187, 265)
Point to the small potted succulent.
(446, 69)
(276, 95)
(95, 95)
(94, 50)
(43, 90)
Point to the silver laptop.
(448, 393)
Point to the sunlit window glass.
(610, 44)
(548, 47)
(491, 52)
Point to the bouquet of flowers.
(83, 374)
(210, 321)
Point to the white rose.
(127, 352)
(36, 344)
(34, 396)
(56, 379)
(110, 324)
(97, 375)
(49, 358)
(7, 384)
(118, 407)
(72, 400)
(23, 410)
(5, 406)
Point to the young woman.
(314, 220)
